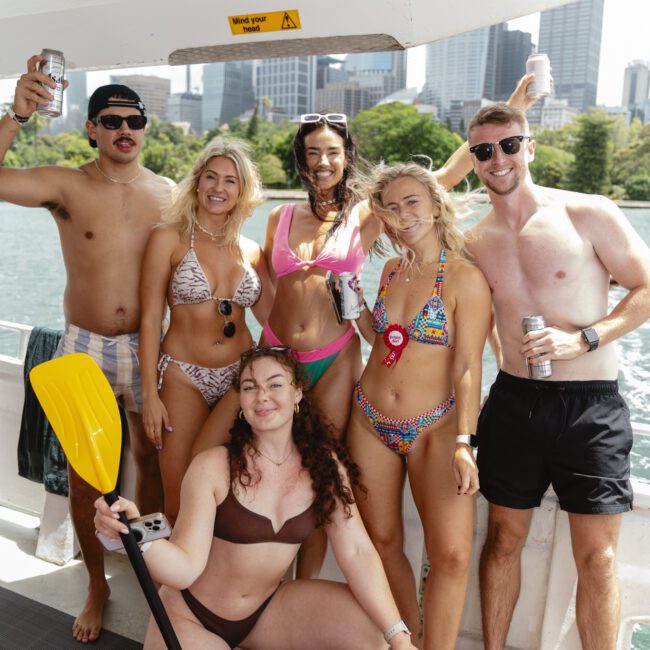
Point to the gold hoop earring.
(241, 415)
(296, 408)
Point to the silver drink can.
(541, 66)
(350, 309)
(543, 369)
(53, 65)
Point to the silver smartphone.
(145, 529)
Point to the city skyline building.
(342, 97)
(456, 69)
(153, 91)
(289, 83)
(515, 47)
(378, 73)
(76, 99)
(636, 89)
(228, 92)
(186, 108)
(571, 36)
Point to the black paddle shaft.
(144, 578)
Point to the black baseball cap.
(112, 95)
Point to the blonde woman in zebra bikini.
(198, 264)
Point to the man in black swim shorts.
(549, 252)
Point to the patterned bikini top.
(430, 324)
(190, 284)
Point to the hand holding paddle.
(81, 407)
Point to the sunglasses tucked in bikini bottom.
(429, 327)
(341, 253)
(189, 286)
(237, 524)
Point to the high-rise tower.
(571, 36)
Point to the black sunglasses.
(510, 146)
(225, 309)
(113, 122)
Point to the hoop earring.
(240, 415)
(296, 408)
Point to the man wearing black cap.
(104, 211)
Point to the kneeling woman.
(245, 509)
(420, 389)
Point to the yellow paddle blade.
(81, 407)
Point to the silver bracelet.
(394, 630)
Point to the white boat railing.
(545, 615)
(23, 332)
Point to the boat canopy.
(100, 34)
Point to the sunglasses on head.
(113, 122)
(261, 351)
(225, 309)
(510, 146)
(331, 118)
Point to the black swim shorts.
(575, 435)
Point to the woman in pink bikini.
(245, 510)
(208, 274)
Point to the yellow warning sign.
(273, 21)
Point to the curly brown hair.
(313, 437)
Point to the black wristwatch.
(467, 439)
(590, 337)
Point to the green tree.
(591, 169)
(253, 124)
(271, 171)
(634, 157)
(637, 187)
(394, 132)
(551, 166)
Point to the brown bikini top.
(236, 523)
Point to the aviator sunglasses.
(113, 122)
(510, 146)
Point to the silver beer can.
(350, 309)
(543, 369)
(53, 65)
(541, 66)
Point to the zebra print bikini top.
(190, 284)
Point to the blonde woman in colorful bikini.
(208, 274)
(420, 389)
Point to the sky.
(625, 38)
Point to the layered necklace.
(275, 462)
(116, 180)
(214, 236)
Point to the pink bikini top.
(342, 252)
(190, 284)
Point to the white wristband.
(394, 630)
